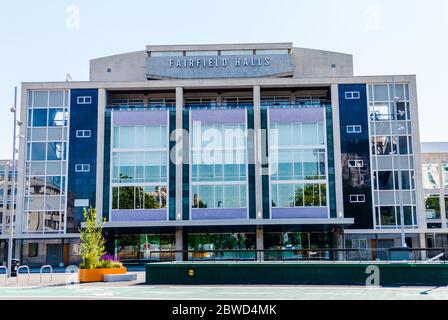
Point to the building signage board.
(213, 67)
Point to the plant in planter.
(95, 263)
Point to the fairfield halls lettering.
(219, 62)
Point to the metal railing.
(46, 267)
(414, 255)
(23, 267)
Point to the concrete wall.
(307, 63)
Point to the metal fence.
(302, 255)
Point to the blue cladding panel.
(82, 151)
(356, 146)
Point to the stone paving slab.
(61, 289)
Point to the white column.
(258, 153)
(179, 152)
(102, 100)
(337, 150)
(179, 243)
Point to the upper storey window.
(388, 102)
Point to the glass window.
(385, 180)
(381, 93)
(40, 99)
(56, 118)
(126, 198)
(56, 99)
(56, 151)
(432, 205)
(431, 177)
(382, 145)
(38, 151)
(445, 174)
(40, 117)
(387, 215)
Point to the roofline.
(228, 46)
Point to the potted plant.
(95, 263)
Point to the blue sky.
(43, 40)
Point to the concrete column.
(102, 101)
(337, 151)
(422, 240)
(179, 243)
(418, 174)
(179, 151)
(258, 153)
(260, 242)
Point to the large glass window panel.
(39, 134)
(35, 221)
(40, 117)
(37, 168)
(55, 134)
(38, 151)
(127, 137)
(431, 177)
(387, 215)
(56, 118)
(432, 206)
(127, 167)
(323, 195)
(115, 191)
(40, 99)
(310, 164)
(299, 196)
(286, 195)
(52, 203)
(284, 134)
(206, 197)
(52, 220)
(385, 180)
(56, 151)
(116, 137)
(445, 174)
(274, 195)
(220, 196)
(382, 145)
(151, 198)
(56, 99)
(53, 185)
(231, 196)
(37, 186)
(381, 93)
(309, 195)
(310, 134)
(126, 198)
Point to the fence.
(301, 255)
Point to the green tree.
(92, 240)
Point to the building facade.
(435, 183)
(6, 178)
(209, 147)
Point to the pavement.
(65, 287)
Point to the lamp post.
(13, 185)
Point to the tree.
(92, 240)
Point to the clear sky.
(46, 39)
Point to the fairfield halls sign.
(219, 67)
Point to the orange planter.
(97, 275)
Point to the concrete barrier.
(120, 277)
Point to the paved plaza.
(60, 288)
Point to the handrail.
(290, 254)
(46, 267)
(6, 271)
(23, 267)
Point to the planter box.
(97, 275)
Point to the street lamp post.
(13, 185)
